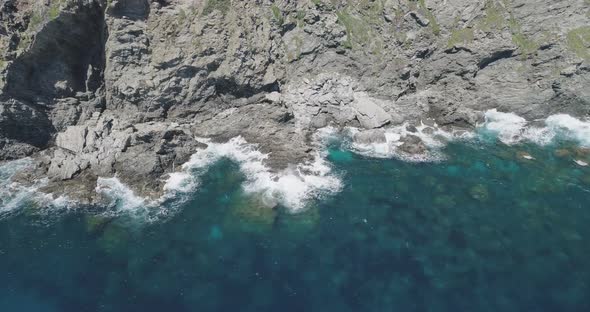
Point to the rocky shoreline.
(96, 88)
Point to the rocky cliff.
(96, 88)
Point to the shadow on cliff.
(65, 60)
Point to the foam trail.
(506, 126)
(433, 138)
(14, 195)
(120, 198)
(180, 182)
(570, 127)
(292, 187)
(512, 129)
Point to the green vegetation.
(300, 17)
(497, 18)
(55, 8)
(524, 44)
(317, 2)
(25, 41)
(458, 36)
(181, 16)
(36, 20)
(360, 20)
(298, 48)
(277, 14)
(220, 5)
(578, 41)
(356, 29)
(431, 18)
(494, 18)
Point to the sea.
(495, 219)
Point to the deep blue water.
(483, 231)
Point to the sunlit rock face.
(270, 71)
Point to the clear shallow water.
(485, 230)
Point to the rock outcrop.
(96, 88)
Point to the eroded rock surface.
(97, 88)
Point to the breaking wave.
(15, 196)
(508, 128)
(433, 137)
(299, 184)
(292, 187)
(512, 129)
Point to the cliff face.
(123, 86)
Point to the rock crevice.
(96, 88)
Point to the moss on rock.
(222, 6)
(460, 36)
(578, 41)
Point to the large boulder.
(73, 139)
(370, 136)
(413, 145)
(369, 114)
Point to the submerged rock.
(562, 153)
(479, 192)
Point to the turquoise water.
(485, 230)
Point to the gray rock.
(411, 128)
(369, 114)
(413, 145)
(72, 139)
(124, 89)
(370, 136)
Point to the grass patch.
(277, 14)
(497, 18)
(525, 45)
(578, 41)
(181, 15)
(55, 9)
(458, 36)
(300, 17)
(24, 42)
(36, 20)
(431, 18)
(494, 18)
(317, 2)
(357, 31)
(216, 5)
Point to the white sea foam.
(292, 187)
(180, 182)
(14, 195)
(296, 185)
(570, 127)
(433, 137)
(121, 197)
(507, 127)
(513, 129)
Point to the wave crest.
(292, 187)
(512, 129)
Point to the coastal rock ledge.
(97, 88)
